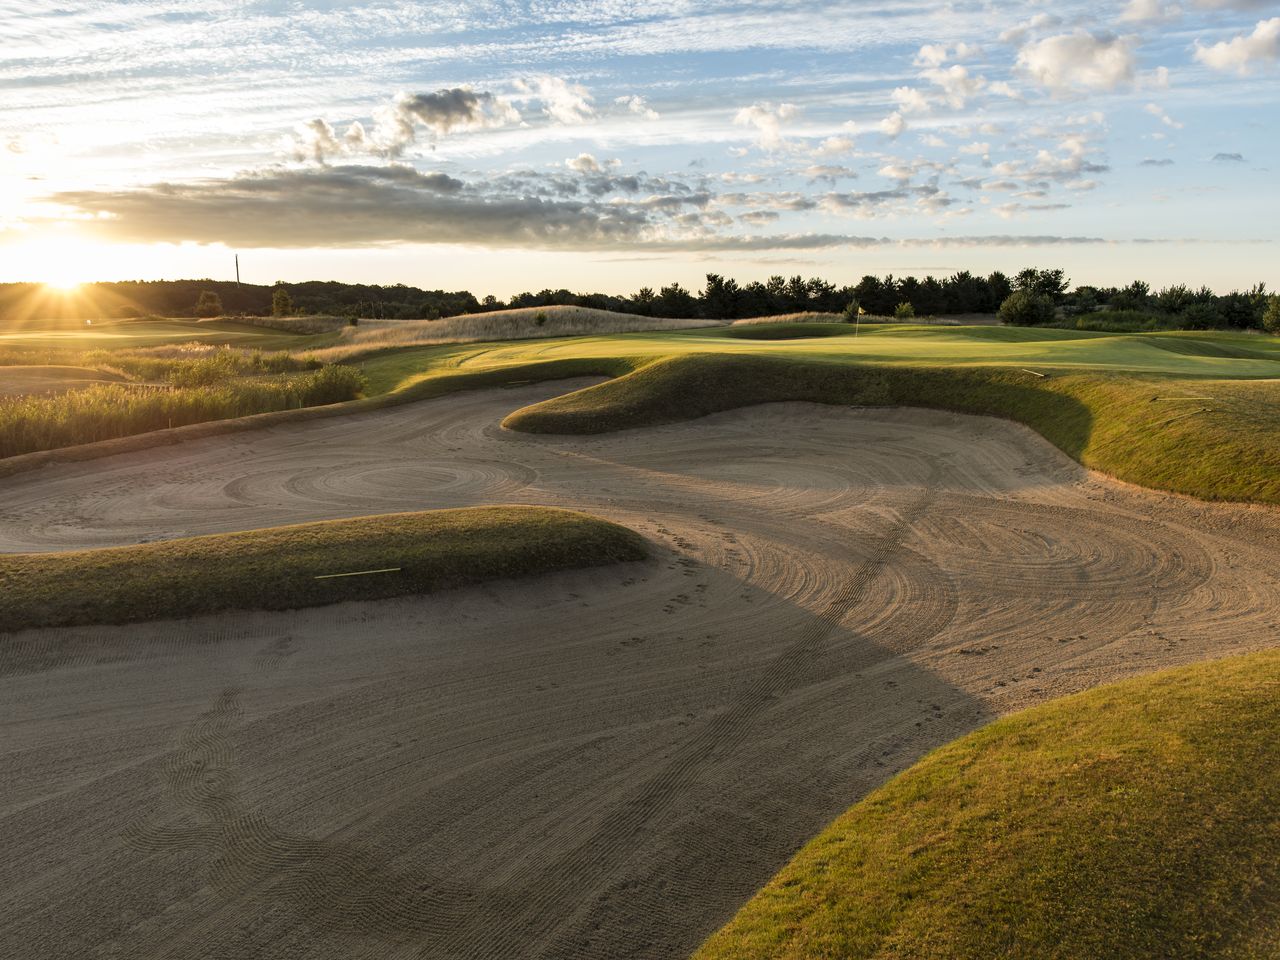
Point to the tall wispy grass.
(526, 323)
(195, 365)
(107, 411)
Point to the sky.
(605, 145)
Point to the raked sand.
(588, 765)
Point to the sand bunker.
(596, 764)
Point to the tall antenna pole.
(237, 271)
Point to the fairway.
(589, 764)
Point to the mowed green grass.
(1197, 414)
(1137, 820)
(276, 568)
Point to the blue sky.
(607, 145)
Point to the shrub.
(209, 304)
(904, 311)
(851, 311)
(1025, 308)
(281, 302)
(540, 317)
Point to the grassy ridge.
(1137, 820)
(1225, 448)
(275, 569)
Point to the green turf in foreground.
(1138, 820)
(275, 569)
(1137, 429)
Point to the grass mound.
(276, 568)
(1218, 440)
(787, 331)
(1138, 820)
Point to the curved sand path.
(596, 764)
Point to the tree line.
(1030, 296)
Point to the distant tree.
(1026, 308)
(1136, 296)
(1082, 300)
(676, 302)
(904, 311)
(851, 310)
(281, 302)
(720, 297)
(999, 287)
(1244, 309)
(209, 304)
(1048, 283)
(1271, 317)
(642, 302)
(490, 303)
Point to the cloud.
(1242, 52)
(768, 119)
(1041, 21)
(1079, 61)
(829, 173)
(1151, 162)
(396, 125)
(355, 206)
(1228, 158)
(894, 125)
(1157, 111)
(584, 163)
(956, 84)
(639, 106)
(1148, 11)
(910, 100)
(834, 147)
(562, 101)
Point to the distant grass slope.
(275, 569)
(1141, 430)
(1138, 820)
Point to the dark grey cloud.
(1162, 162)
(352, 206)
(1228, 158)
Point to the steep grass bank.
(276, 569)
(1157, 432)
(1138, 820)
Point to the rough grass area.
(1138, 820)
(1152, 431)
(275, 569)
(108, 411)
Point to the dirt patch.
(593, 764)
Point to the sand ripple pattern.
(597, 764)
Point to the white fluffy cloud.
(1079, 61)
(894, 125)
(1242, 52)
(768, 119)
(956, 84)
(562, 101)
(639, 106)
